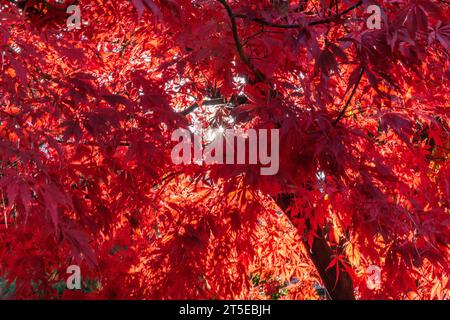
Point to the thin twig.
(4, 208)
(349, 98)
(195, 106)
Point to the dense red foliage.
(86, 177)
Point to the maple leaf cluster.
(86, 175)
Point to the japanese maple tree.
(86, 175)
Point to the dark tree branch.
(339, 286)
(259, 76)
(299, 26)
(356, 5)
(190, 109)
(22, 5)
(342, 113)
(270, 24)
(240, 49)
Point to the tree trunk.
(321, 255)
